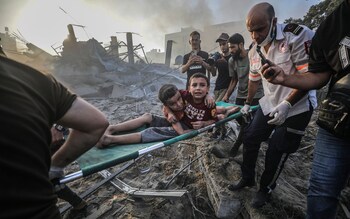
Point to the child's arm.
(223, 112)
(202, 124)
(178, 128)
(169, 115)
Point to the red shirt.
(196, 112)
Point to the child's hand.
(171, 118)
(198, 124)
(231, 110)
(209, 101)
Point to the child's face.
(175, 103)
(198, 88)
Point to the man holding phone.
(284, 112)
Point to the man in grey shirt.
(239, 70)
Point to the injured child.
(183, 110)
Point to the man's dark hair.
(199, 75)
(195, 33)
(236, 39)
(166, 92)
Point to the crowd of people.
(279, 71)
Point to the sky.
(44, 22)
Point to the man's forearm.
(252, 89)
(307, 80)
(184, 68)
(87, 124)
(76, 144)
(231, 88)
(295, 96)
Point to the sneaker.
(261, 198)
(218, 152)
(241, 184)
(215, 135)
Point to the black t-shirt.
(30, 102)
(195, 68)
(223, 79)
(330, 48)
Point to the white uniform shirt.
(289, 51)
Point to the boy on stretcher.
(184, 109)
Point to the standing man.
(284, 112)
(221, 65)
(239, 70)
(195, 61)
(329, 61)
(30, 102)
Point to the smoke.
(160, 15)
(43, 23)
(9, 11)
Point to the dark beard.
(237, 54)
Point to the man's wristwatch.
(59, 128)
(247, 103)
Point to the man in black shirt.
(329, 61)
(30, 102)
(221, 64)
(195, 61)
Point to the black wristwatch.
(247, 103)
(59, 128)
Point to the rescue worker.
(284, 112)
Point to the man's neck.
(226, 54)
(243, 54)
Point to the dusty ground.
(289, 198)
(130, 91)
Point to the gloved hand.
(246, 109)
(280, 113)
(56, 172)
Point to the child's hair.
(199, 75)
(166, 92)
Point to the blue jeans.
(330, 171)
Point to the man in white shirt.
(284, 112)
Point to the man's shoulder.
(203, 54)
(293, 28)
(187, 55)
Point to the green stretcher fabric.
(96, 159)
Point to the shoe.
(241, 184)
(218, 152)
(261, 198)
(216, 134)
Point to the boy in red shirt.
(184, 110)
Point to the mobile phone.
(264, 61)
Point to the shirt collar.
(279, 35)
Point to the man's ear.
(274, 21)
(189, 41)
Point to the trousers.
(329, 174)
(285, 139)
